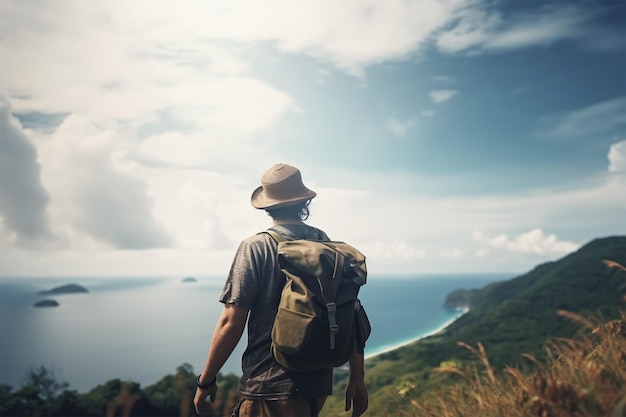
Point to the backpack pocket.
(294, 331)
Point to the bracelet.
(205, 386)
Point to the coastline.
(151, 355)
(386, 349)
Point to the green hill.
(509, 318)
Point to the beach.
(385, 349)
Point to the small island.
(46, 303)
(66, 289)
(189, 279)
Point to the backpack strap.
(329, 293)
(275, 235)
(322, 237)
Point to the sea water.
(141, 329)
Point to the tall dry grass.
(582, 377)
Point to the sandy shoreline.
(415, 339)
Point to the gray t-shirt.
(255, 282)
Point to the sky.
(441, 136)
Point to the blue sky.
(441, 136)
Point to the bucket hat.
(281, 186)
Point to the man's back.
(255, 282)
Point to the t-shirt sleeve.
(244, 278)
(363, 328)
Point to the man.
(251, 294)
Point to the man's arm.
(228, 331)
(356, 392)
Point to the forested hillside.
(509, 319)
(517, 316)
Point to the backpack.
(319, 318)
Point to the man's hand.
(356, 397)
(203, 407)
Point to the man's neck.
(287, 221)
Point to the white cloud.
(117, 65)
(533, 242)
(542, 29)
(182, 98)
(440, 96)
(395, 249)
(95, 197)
(351, 35)
(451, 254)
(322, 76)
(445, 79)
(23, 199)
(598, 118)
(199, 150)
(399, 128)
(202, 210)
(488, 30)
(414, 229)
(617, 157)
(116, 43)
(471, 30)
(138, 86)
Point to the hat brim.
(260, 200)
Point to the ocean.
(141, 328)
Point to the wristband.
(205, 386)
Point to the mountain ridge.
(509, 318)
(579, 282)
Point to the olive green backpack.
(320, 320)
